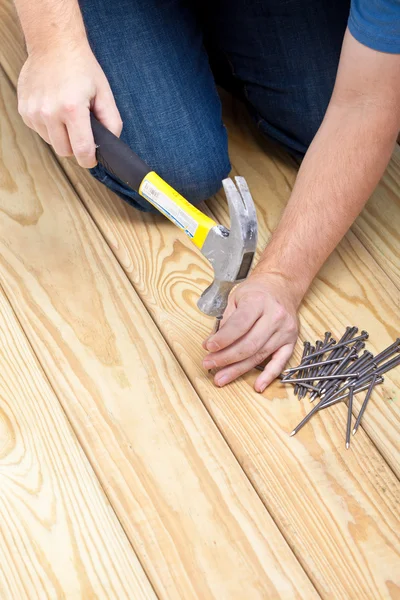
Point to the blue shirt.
(376, 24)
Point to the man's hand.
(259, 322)
(56, 90)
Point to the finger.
(106, 110)
(80, 136)
(248, 345)
(274, 368)
(239, 323)
(59, 138)
(232, 372)
(41, 129)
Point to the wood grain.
(335, 507)
(338, 509)
(59, 537)
(328, 502)
(177, 489)
(378, 225)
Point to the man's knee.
(198, 173)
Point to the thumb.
(105, 109)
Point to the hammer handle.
(117, 157)
(119, 160)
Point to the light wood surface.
(59, 537)
(378, 225)
(327, 500)
(197, 525)
(337, 509)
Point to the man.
(320, 76)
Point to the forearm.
(340, 171)
(47, 23)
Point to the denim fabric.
(282, 55)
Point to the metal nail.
(343, 352)
(363, 336)
(349, 415)
(392, 349)
(364, 404)
(328, 348)
(322, 378)
(317, 364)
(387, 366)
(302, 390)
(326, 402)
(306, 350)
(361, 380)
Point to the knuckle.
(83, 149)
(30, 114)
(63, 152)
(292, 326)
(45, 113)
(69, 108)
(251, 347)
(235, 372)
(260, 356)
(280, 312)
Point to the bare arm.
(61, 80)
(341, 169)
(50, 23)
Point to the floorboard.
(378, 225)
(181, 496)
(59, 537)
(337, 509)
(328, 502)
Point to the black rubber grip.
(117, 157)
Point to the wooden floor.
(124, 473)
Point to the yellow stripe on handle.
(174, 206)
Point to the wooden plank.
(337, 508)
(378, 225)
(198, 526)
(374, 302)
(59, 537)
(323, 498)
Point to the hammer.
(229, 251)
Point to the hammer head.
(230, 251)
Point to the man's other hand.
(259, 322)
(57, 88)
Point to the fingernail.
(262, 387)
(212, 346)
(209, 364)
(222, 380)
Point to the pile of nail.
(336, 371)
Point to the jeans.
(162, 59)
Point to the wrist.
(49, 45)
(292, 288)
